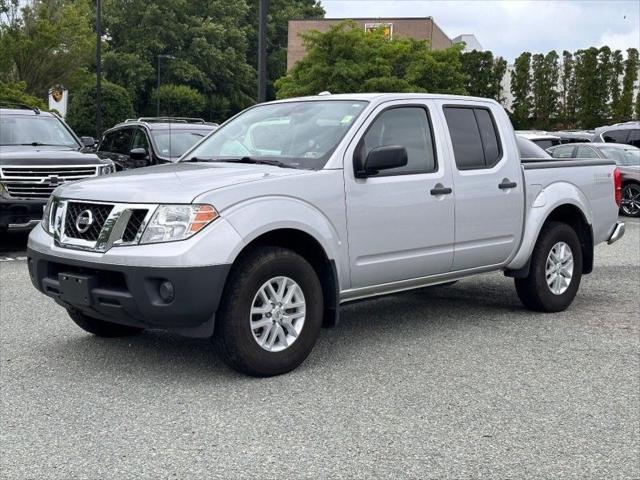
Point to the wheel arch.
(308, 247)
(572, 215)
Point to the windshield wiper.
(261, 161)
(197, 159)
(40, 144)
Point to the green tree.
(625, 106)
(521, 90)
(44, 43)
(206, 37)
(604, 74)
(484, 74)
(587, 85)
(116, 107)
(544, 88)
(180, 101)
(568, 90)
(347, 59)
(16, 93)
(637, 116)
(617, 68)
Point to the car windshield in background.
(624, 157)
(34, 130)
(172, 144)
(295, 134)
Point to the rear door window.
(616, 136)
(634, 137)
(586, 152)
(564, 151)
(474, 137)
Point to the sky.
(508, 28)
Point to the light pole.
(98, 69)
(262, 51)
(158, 88)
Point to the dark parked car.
(530, 150)
(151, 141)
(627, 157)
(38, 152)
(628, 133)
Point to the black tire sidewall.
(558, 232)
(233, 323)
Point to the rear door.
(400, 227)
(487, 179)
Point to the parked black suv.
(38, 152)
(151, 140)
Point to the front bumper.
(130, 295)
(617, 234)
(18, 213)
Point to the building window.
(387, 29)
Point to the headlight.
(46, 215)
(177, 222)
(106, 169)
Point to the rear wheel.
(101, 328)
(630, 205)
(555, 271)
(271, 313)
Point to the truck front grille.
(98, 214)
(98, 226)
(40, 182)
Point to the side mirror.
(138, 154)
(383, 158)
(88, 141)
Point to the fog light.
(167, 292)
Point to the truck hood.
(43, 156)
(172, 183)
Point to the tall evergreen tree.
(625, 108)
(604, 74)
(544, 88)
(617, 68)
(520, 89)
(587, 82)
(568, 90)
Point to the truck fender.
(540, 209)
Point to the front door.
(400, 221)
(487, 182)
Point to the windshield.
(625, 157)
(295, 134)
(174, 143)
(34, 130)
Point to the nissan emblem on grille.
(84, 221)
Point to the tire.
(631, 200)
(534, 291)
(100, 328)
(236, 338)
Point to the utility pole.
(262, 50)
(98, 69)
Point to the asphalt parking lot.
(452, 382)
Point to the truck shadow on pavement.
(365, 329)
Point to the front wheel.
(271, 313)
(630, 205)
(555, 271)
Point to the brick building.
(423, 28)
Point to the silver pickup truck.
(258, 233)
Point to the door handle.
(506, 184)
(440, 189)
